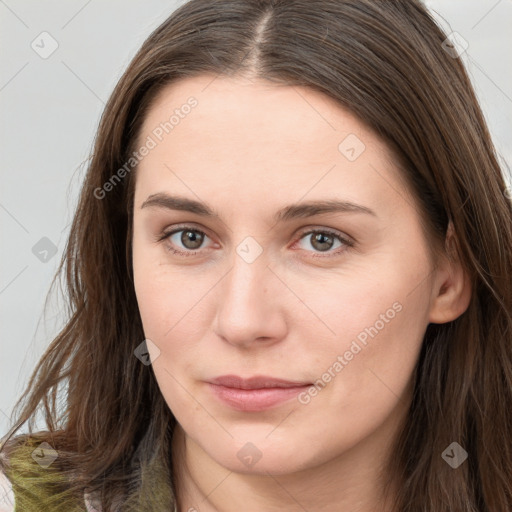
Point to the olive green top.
(29, 482)
(8, 501)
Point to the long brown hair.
(385, 62)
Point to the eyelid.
(347, 242)
(179, 227)
(165, 234)
(330, 231)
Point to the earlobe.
(451, 293)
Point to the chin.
(259, 455)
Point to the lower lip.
(254, 400)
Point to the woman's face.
(242, 173)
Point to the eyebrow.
(292, 211)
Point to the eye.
(323, 240)
(184, 237)
(187, 241)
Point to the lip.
(256, 393)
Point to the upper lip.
(256, 382)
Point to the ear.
(451, 291)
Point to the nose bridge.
(247, 307)
(249, 279)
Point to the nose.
(251, 304)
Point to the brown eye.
(184, 240)
(191, 239)
(323, 241)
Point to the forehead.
(254, 137)
(268, 111)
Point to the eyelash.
(345, 241)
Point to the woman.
(237, 366)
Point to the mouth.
(255, 394)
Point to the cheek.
(158, 288)
(368, 335)
(172, 304)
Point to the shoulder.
(6, 494)
(90, 504)
(8, 486)
(7, 499)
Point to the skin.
(248, 149)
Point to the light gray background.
(50, 109)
